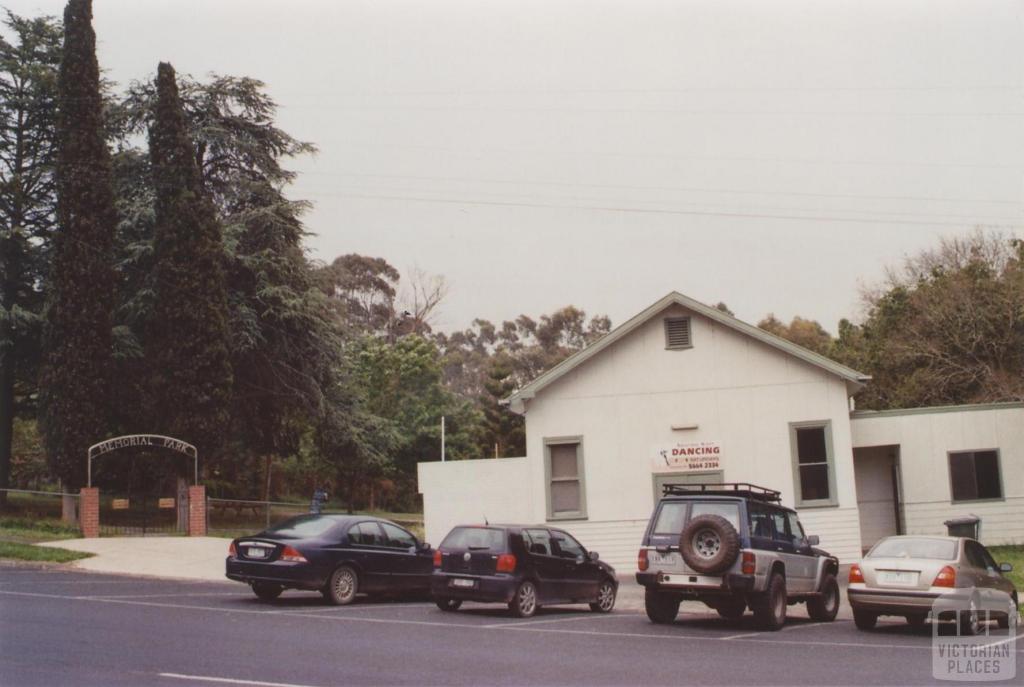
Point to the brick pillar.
(197, 511)
(89, 511)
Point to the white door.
(873, 470)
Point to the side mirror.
(813, 540)
(594, 556)
(423, 546)
(1005, 567)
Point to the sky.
(775, 155)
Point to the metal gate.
(138, 514)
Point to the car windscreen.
(672, 517)
(475, 539)
(939, 549)
(303, 526)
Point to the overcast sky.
(771, 154)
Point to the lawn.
(18, 534)
(28, 552)
(1014, 555)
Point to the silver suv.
(733, 546)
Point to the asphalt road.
(62, 627)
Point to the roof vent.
(677, 333)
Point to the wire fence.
(33, 504)
(238, 517)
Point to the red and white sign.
(698, 456)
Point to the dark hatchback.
(338, 555)
(522, 566)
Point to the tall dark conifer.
(187, 336)
(75, 382)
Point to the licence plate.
(897, 577)
(670, 558)
(458, 582)
(256, 553)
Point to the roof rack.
(740, 489)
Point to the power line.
(665, 211)
(696, 189)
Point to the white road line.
(594, 616)
(228, 680)
(471, 626)
(156, 596)
(357, 607)
(787, 628)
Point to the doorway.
(876, 472)
(663, 478)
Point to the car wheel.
(825, 607)
(524, 603)
(970, 620)
(1004, 620)
(864, 620)
(916, 620)
(661, 608)
(266, 591)
(731, 607)
(342, 586)
(605, 598)
(447, 604)
(770, 606)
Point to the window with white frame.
(564, 471)
(974, 475)
(813, 463)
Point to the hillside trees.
(75, 382)
(946, 328)
(28, 109)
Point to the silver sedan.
(911, 576)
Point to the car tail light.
(506, 563)
(437, 558)
(749, 566)
(232, 551)
(855, 574)
(641, 560)
(945, 578)
(293, 556)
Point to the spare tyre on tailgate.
(709, 544)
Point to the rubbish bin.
(968, 526)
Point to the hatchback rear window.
(672, 517)
(475, 539)
(939, 549)
(304, 526)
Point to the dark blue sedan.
(338, 555)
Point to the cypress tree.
(187, 336)
(75, 384)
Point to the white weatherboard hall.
(683, 392)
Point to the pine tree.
(187, 336)
(75, 384)
(28, 150)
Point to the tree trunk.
(69, 509)
(373, 495)
(6, 397)
(182, 503)
(267, 460)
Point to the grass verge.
(28, 552)
(26, 531)
(1014, 555)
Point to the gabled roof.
(853, 378)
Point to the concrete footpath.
(186, 558)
